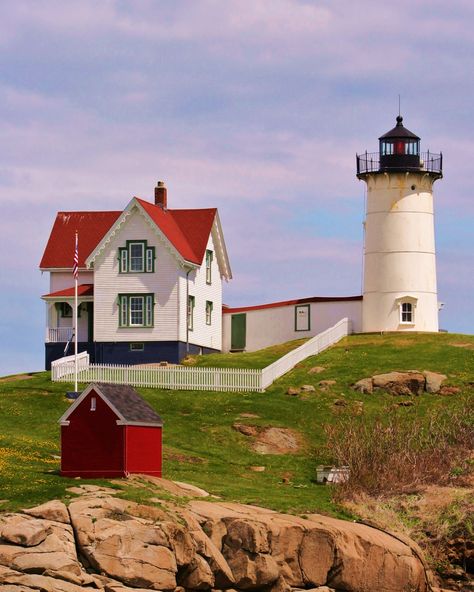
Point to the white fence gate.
(188, 378)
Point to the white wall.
(270, 326)
(61, 280)
(108, 283)
(400, 259)
(202, 334)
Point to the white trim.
(134, 203)
(140, 423)
(412, 300)
(220, 247)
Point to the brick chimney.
(161, 198)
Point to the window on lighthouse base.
(406, 307)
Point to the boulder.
(53, 510)
(307, 388)
(324, 385)
(293, 391)
(23, 531)
(198, 575)
(400, 383)
(449, 390)
(246, 430)
(433, 381)
(251, 570)
(364, 386)
(316, 370)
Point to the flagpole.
(76, 270)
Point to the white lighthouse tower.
(399, 249)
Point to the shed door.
(238, 331)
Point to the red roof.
(187, 230)
(227, 310)
(91, 227)
(82, 290)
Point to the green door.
(238, 332)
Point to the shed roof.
(129, 403)
(124, 401)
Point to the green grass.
(200, 445)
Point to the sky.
(256, 107)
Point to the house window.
(93, 403)
(208, 312)
(136, 251)
(137, 347)
(136, 310)
(137, 257)
(209, 257)
(190, 312)
(406, 313)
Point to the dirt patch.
(183, 458)
(249, 415)
(16, 377)
(269, 439)
(276, 441)
(464, 345)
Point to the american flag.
(75, 267)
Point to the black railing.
(369, 162)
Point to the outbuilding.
(110, 431)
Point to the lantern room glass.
(400, 147)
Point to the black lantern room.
(399, 151)
(399, 148)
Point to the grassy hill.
(200, 445)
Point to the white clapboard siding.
(61, 280)
(203, 335)
(109, 283)
(186, 378)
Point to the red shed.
(110, 431)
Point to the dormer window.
(136, 257)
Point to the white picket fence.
(313, 346)
(189, 378)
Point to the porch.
(60, 320)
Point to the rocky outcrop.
(411, 382)
(115, 545)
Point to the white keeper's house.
(150, 277)
(150, 282)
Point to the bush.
(394, 453)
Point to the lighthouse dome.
(399, 131)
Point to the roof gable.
(124, 401)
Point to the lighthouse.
(399, 291)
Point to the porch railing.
(205, 379)
(58, 334)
